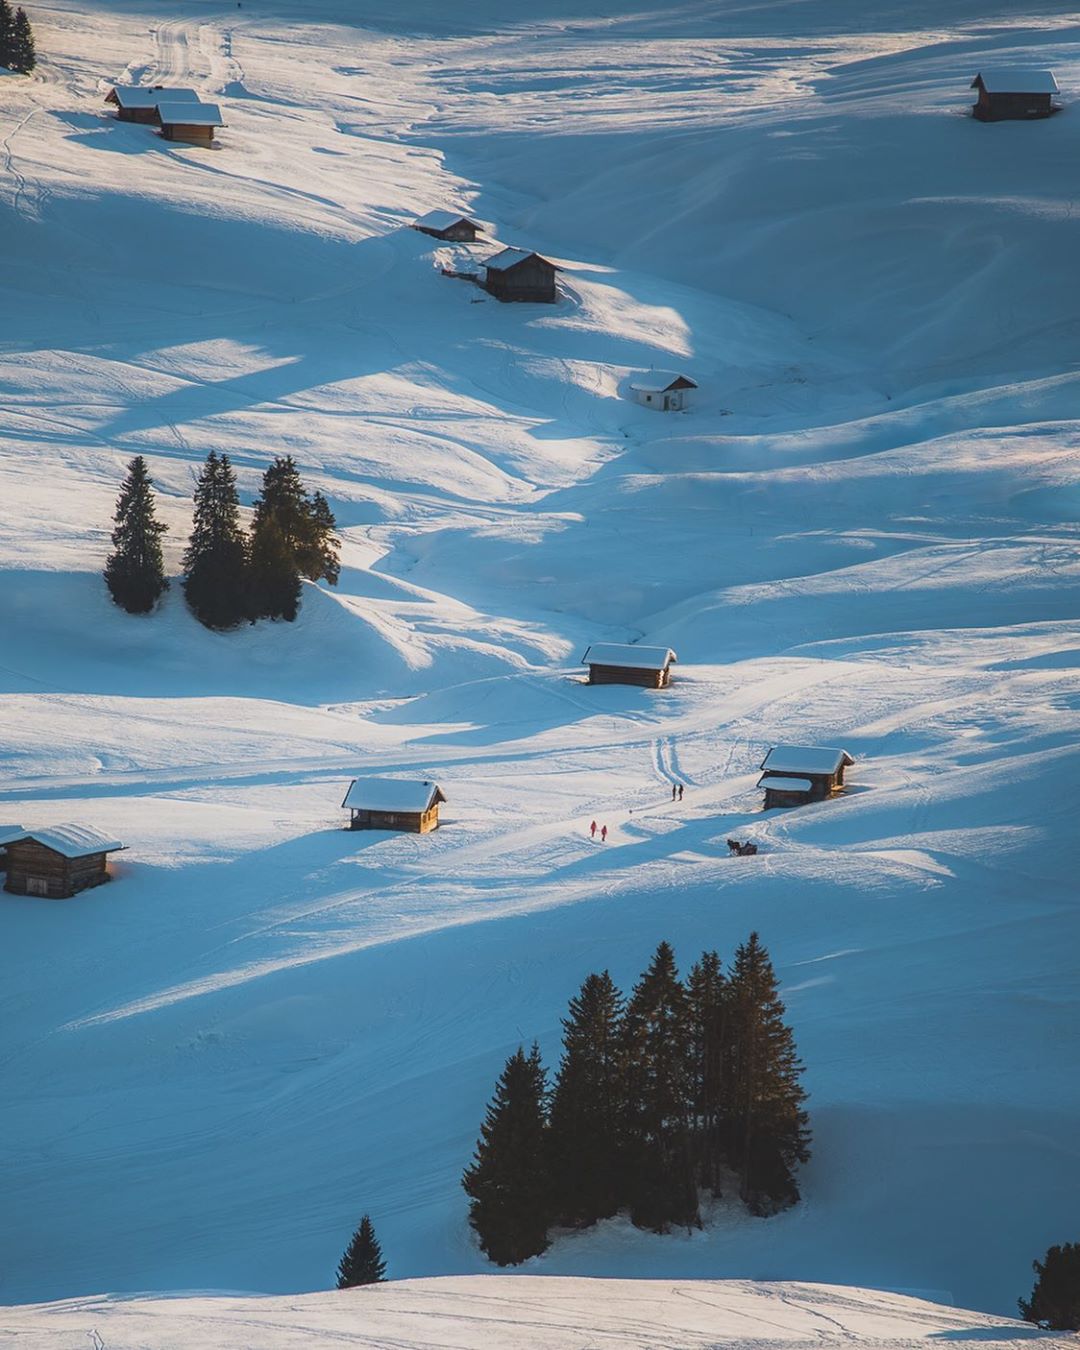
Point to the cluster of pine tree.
(684, 1087)
(16, 40)
(1055, 1299)
(229, 575)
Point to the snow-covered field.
(864, 534)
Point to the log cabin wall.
(189, 135)
(34, 869)
(646, 679)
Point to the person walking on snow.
(674, 790)
(603, 834)
(680, 792)
(592, 830)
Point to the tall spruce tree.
(1055, 1299)
(274, 576)
(23, 56)
(215, 563)
(767, 1130)
(707, 999)
(507, 1183)
(7, 33)
(587, 1108)
(319, 559)
(363, 1261)
(134, 570)
(656, 1051)
(292, 537)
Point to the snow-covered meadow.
(864, 534)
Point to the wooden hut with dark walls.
(796, 774)
(8, 833)
(192, 123)
(663, 390)
(1014, 94)
(139, 103)
(449, 225)
(58, 862)
(517, 275)
(393, 804)
(628, 663)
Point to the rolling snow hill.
(865, 533)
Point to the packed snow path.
(864, 534)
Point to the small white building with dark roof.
(393, 804)
(450, 225)
(664, 390)
(793, 775)
(629, 663)
(59, 861)
(1014, 93)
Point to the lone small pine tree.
(134, 571)
(1055, 1299)
(363, 1261)
(507, 1183)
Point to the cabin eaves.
(629, 655)
(392, 795)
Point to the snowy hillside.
(523, 1312)
(863, 534)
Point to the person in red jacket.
(603, 834)
(592, 830)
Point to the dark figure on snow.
(603, 834)
(592, 830)
(674, 791)
(680, 792)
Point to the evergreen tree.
(587, 1107)
(767, 1131)
(215, 563)
(134, 571)
(319, 557)
(707, 995)
(7, 34)
(657, 1068)
(292, 537)
(507, 1183)
(363, 1261)
(275, 579)
(1055, 1299)
(23, 56)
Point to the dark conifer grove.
(685, 1088)
(362, 1262)
(134, 570)
(216, 560)
(1055, 1299)
(507, 1183)
(7, 33)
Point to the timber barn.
(516, 274)
(392, 804)
(139, 103)
(664, 390)
(796, 774)
(7, 834)
(58, 862)
(1013, 94)
(627, 663)
(448, 225)
(192, 123)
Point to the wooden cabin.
(192, 123)
(448, 225)
(7, 834)
(393, 804)
(1011, 94)
(796, 774)
(664, 390)
(139, 103)
(58, 862)
(628, 663)
(516, 274)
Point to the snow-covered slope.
(864, 533)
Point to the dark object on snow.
(1055, 1300)
(363, 1260)
(516, 274)
(393, 804)
(449, 225)
(626, 663)
(1013, 94)
(796, 774)
(59, 862)
(737, 850)
(134, 571)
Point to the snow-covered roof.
(147, 96)
(190, 115)
(798, 759)
(660, 381)
(392, 794)
(1016, 80)
(510, 257)
(74, 841)
(443, 220)
(779, 783)
(628, 654)
(9, 833)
